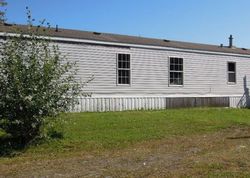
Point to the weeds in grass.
(113, 130)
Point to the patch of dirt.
(225, 153)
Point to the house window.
(176, 71)
(231, 71)
(123, 69)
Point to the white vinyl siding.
(204, 74)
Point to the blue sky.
(201, 21)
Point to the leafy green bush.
(36, 82)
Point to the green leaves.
(2, 13)
(36, 82)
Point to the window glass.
(231, 70)
(231, 66)
(176, 71)
(123, 69)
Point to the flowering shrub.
(36, 82)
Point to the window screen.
(231, 71)
(176, 71)
(123, 69)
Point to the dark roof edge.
(130, 40)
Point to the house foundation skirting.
(103, 104)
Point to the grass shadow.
(11, 147)
(55, 135)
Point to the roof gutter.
(132, 45)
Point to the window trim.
(174, 85)
(117, 69)
(231, 83)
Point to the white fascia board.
(132, 45)
(162, 96)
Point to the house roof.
(115, 38)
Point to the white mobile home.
(143, 73)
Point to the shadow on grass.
(55, 135)
(10, 147)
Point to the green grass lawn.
(114, 130)
(184, 142)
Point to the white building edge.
(151, 75)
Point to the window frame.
(228, 72)
(169, 71)
(117, 70)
